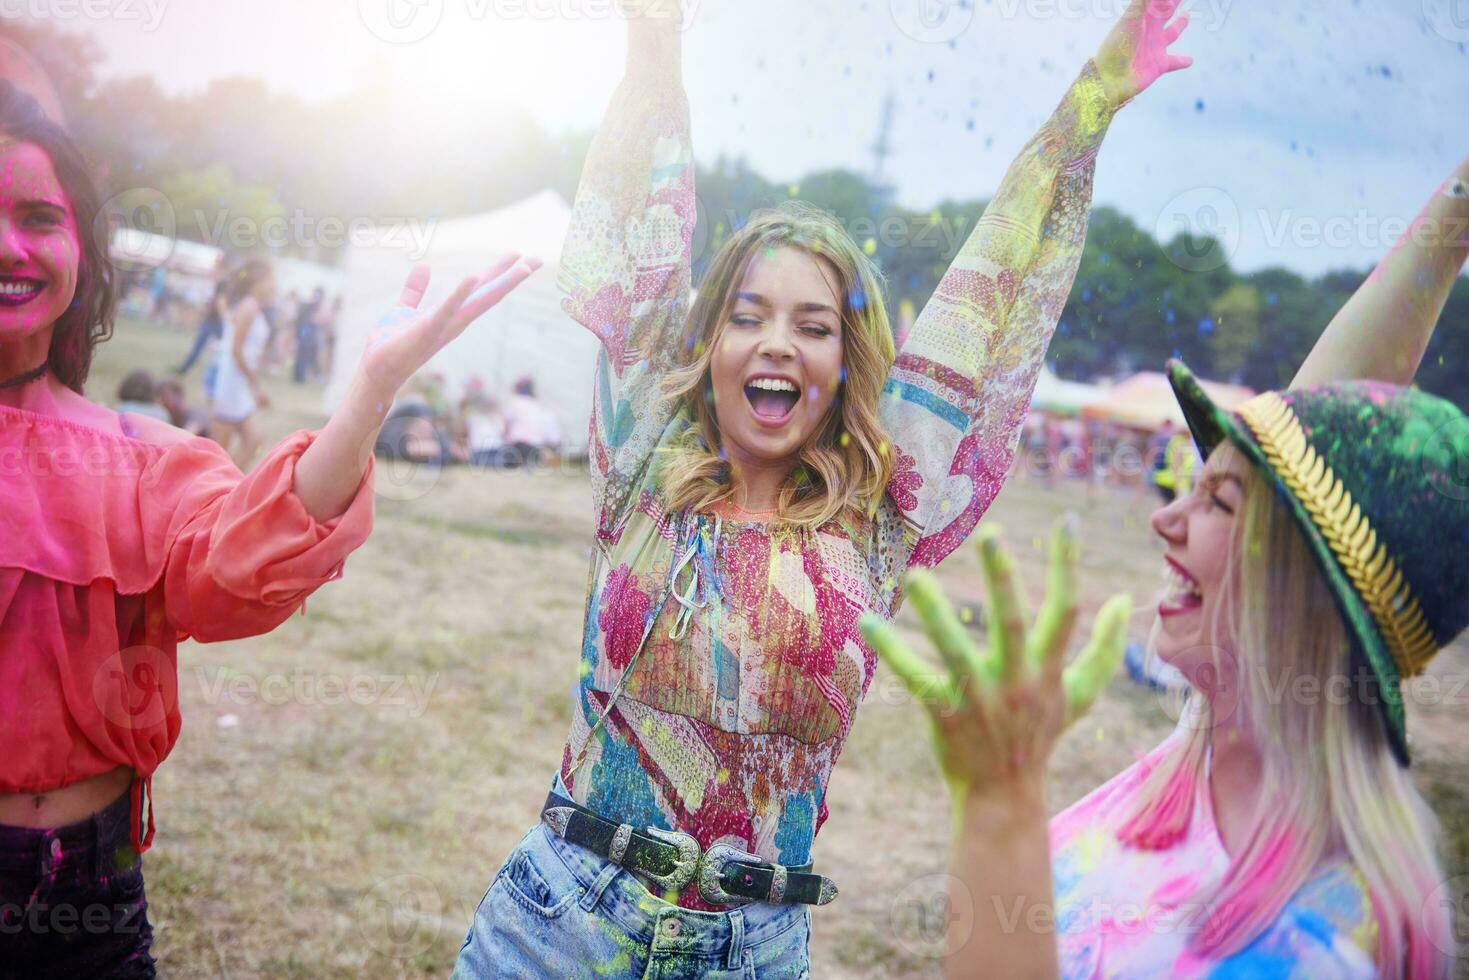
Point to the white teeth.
(13, 288)
(772, 384)
(1179, 584)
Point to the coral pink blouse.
(112, 550)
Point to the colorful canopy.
(1146, 400)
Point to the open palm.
(406, 337)
(996, 714)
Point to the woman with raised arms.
(1315, 566)
(765, 467)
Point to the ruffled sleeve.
(240, 555)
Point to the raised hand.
(1135, 53)
(996, 714)
(330, 471)
(406, 338)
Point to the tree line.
(241, 150)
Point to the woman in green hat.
(1318, 562)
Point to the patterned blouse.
(718, 706)
(1126, 912)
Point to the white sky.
(1303, 126)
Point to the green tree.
(1236, 330)
(210, 206)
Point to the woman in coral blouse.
(121, 535)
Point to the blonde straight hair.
(844, 467)
(1330, 785)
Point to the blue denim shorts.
(557, 910)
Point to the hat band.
(1378, 580)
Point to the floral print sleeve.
(625, 272)
(959, 391)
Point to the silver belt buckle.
(713, 864)
(684, 866)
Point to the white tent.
(302, 278)
(526, 334)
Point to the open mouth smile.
(19, 290)
(772, 399)
(1182, 594)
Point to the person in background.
(158, 292)
(550, 439)
(1055, 442)
(526, 429)
(138, 394)
(326, 337)
(181, 414)
(280, 345)
(238, 394)
(415, 428)
(1174, 476)
(1157, 458)
(306, 338)
(484, 425)
(1031, 454)
(211, 326)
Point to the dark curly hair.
(88, 320)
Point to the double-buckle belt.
(672, 860)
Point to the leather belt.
(725, 875)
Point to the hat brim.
(1211, 425)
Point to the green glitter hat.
(1375, 476)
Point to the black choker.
(25, 379)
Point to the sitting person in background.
(138, 394)
(412, 429)
(178, 410)
(531, 430)
(484, 426)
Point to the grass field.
(345, 788)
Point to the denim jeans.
(72, 902)
(557, 910)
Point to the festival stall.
(1145, 401)
(1066, 399)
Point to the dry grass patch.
(353, 835)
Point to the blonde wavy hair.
(844, 467)
(1330, 785)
